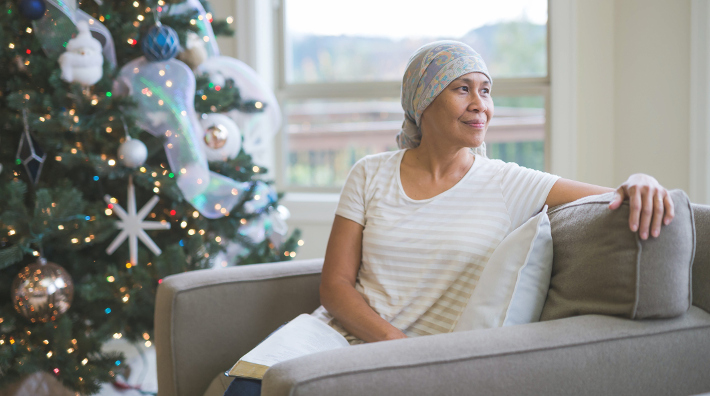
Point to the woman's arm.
(564, 191)
(337, 288)
(650, 203)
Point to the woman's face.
(461, 113)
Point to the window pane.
(324, 138)
(375, 40)
(517, 131)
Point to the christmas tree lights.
(67, 144)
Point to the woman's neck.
(439, 163)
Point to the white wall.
(633, 90)
(652, 90)
(595, 87)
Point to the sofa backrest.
(701, 264)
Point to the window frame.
(699, 161)
(537, 86)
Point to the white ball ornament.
(221, 140)
(83, 60)
(132, 153)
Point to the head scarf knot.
(431, 69)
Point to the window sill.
(311, 208)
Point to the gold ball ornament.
(216, 136)
(42, 291)
(221, 140)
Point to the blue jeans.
(244, 387)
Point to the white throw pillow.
(513, 285)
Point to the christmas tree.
(120, 165)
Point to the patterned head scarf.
(431, 69)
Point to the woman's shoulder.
(491, 165)
(490, 168)
(384, 156)
(374, 162)
(499, 166)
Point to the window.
(340, 66)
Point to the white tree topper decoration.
(132, 225)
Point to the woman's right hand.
(395, 335)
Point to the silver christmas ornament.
(216, 136)
(132, 153)
(222, 140)
(42, 291)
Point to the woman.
(414, 227)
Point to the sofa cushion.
(583, 355)
(513, 285)
(601, 267)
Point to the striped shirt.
(421, 259)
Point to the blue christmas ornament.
(32, 9)
(160, 43)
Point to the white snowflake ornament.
(83, 61)
(132, 225)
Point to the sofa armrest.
(205, 320)
(701, 264)
(583, 355)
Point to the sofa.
(205, 320)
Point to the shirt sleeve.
(352, 197)
(524, 191)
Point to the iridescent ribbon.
(165, 92)
(203, 24)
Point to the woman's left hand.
(650, 204)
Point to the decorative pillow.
(513, 285)
(601, 267)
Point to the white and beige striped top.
(421, 259)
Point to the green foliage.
(210, 98)
(510, 49)
(222, 28)
(65, 218)
(528, 154)
(530, 102)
